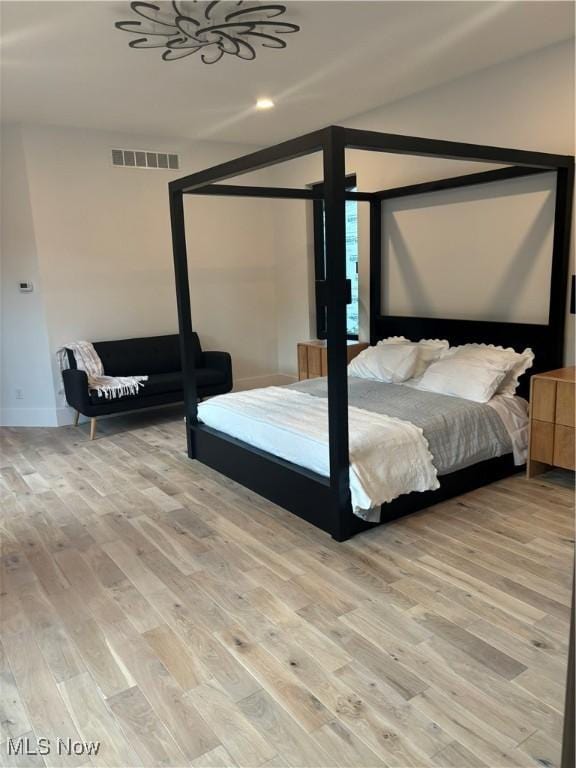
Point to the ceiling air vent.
(139, 158)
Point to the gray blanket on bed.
(459, 432)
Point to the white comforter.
(294, 426)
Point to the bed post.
(335, 201)
(184, 314)
(560, 260)
(375, 265)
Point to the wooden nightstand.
(552, 436)
(312, 361)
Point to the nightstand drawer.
(543, 403)
(564, 447)
(315, 362)
(302, 361)
(542, 441)
(565, 395)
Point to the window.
(351, 261)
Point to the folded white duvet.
(388, 456)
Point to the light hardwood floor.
(152, 605)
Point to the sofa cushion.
(134, 357)
(147, 355)
(159, 383)
(162, 383)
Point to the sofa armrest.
(221, 361)
(76, 389)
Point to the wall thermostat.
(25, 286)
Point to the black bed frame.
(325, 501)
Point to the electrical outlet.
(19, 394)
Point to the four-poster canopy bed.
(325, 501)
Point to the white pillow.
(462, 377)
(392, 363)
(512, 362)
(429, 350)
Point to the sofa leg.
(76, 417)
(92, 427)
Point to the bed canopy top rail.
(270, 193)
(369, 141)
(455, 182)
(451, 150)
(328, 501)
(255, 161)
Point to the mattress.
(459, 432)
(400, 438)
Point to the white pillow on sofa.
(429, 350)
(392, 363)
(507, 359)
(462, 377)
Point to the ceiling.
(64, 63)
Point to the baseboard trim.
(28, 417)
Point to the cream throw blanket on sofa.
(87, 360)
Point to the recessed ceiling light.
(264, 104)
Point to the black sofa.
(157, 357)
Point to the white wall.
(294, 250)
(25, 355)
(104, 262)
(491, 265)
(527, 103)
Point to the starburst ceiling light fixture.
(209, 28)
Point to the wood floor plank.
(479, 649)
(45, 707)
(216, 758)
(542, 687)
(107, 669)
(174, 654)
(426, 735)
(235, 732)
(529, 654)
(463, 578)
(14, 720)
(211, 658)
(373, 726)
(304, 707)
(189, 730)
(296, 746)
(381, 664)
(469, 731)
(542, 749)
(9, 758)
(457, 756)
(146, 733)
(439, 674)
(344, 747)
(135, 607)
(96, 724)
(530, 711)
